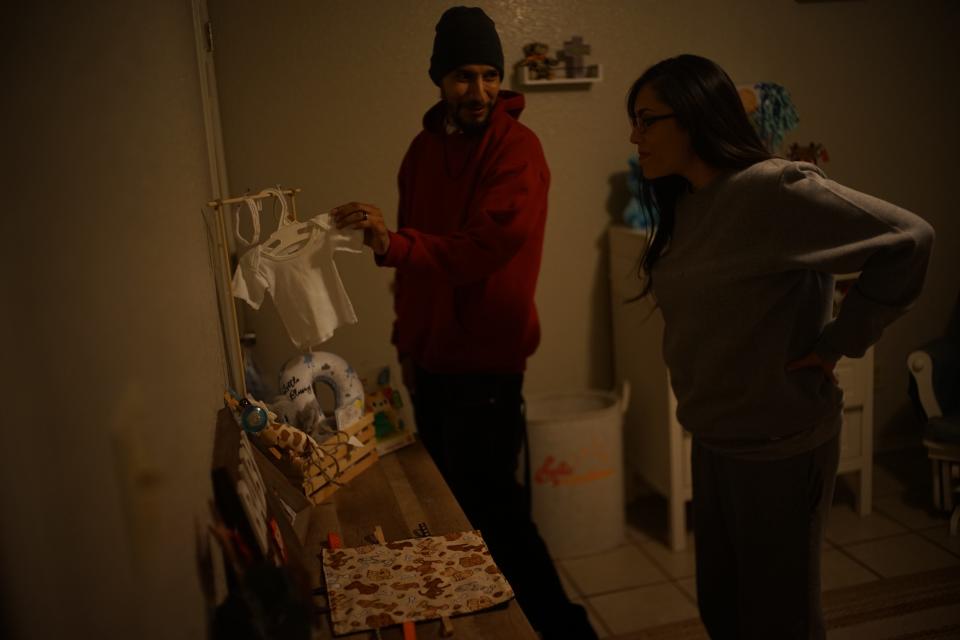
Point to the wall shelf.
(527, 80)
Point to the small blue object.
(635, 214)
(253, 419)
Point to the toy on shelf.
(538, 68)
(538, 64)
(771, 111)
(572, 55)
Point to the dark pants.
(474, 426)
(759, 529)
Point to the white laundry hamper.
(576, 469)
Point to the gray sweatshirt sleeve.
(837, 230)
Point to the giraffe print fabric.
(377, 586)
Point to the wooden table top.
(398, 493)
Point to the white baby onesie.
(302, 278)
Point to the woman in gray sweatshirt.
(741, 264)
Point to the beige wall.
(327, 95)
(112, 366)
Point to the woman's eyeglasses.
(641, 124)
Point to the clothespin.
(278, 538)
(333, 541)
(446, 627)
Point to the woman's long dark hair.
(707, 105)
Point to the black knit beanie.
(465, 35)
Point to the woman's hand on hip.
(812, 360)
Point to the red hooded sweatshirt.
(473, 208)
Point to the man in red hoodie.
(473, 206)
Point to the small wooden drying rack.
(230, 324)
(219, 203)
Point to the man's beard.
(471, 125)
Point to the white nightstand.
(657, 449)
(855, 376)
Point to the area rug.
(891, 599)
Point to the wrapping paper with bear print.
(417, 579)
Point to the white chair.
(936, 371)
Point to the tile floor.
(643, 584)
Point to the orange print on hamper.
(561, 473)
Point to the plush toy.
(384, 403)
(537, 61)
(385, 418)
(774, 114)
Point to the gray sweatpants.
(759, 527)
